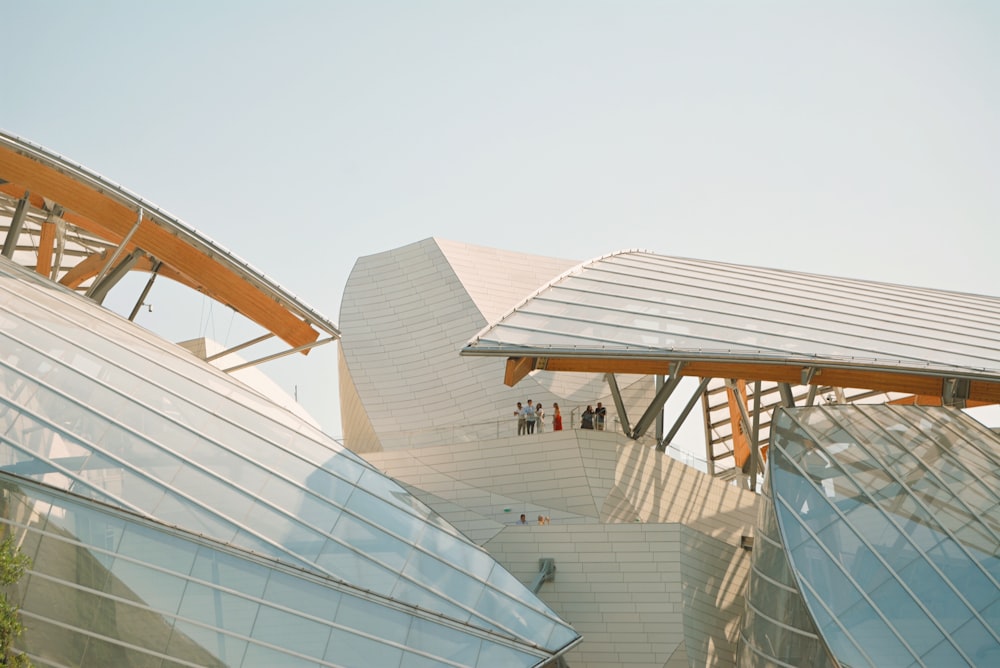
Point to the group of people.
(542, 519)
(594, 418)
(532, 416)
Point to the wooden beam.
(88, 267)
(46, 242)
(221, 283)
(987, 392)
(517, 369)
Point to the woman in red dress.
(556, 418)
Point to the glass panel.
(460, 554)
(439, 576)
(521, 622)
(843, 646)
(264, 657)
(767, 520)
(493, 654)
(317, 513)
(229, 572)
(51, 643)
(352, 651)
(155, 548)
(204, 646)
(789, 645)
(324, 484)
(293, 632)
(376, 510)
(779, 604)
(976, 641)
(348, 565)
(60, 603)
(173, 509)
(218, 609)
(964, 574)
(302, 595)
(846, 548)
(908, 618)
(357, 613)
(945, 654)
(206, 492)
(935, 595)
(144, 585)
(771, 561)
(372, 542)
(102, 652)
(870, 632)
(283, 529)
(431, 600)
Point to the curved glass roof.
(890, 519)
(646, 306)
(94, 405)
(142, 592)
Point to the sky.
(858, 139)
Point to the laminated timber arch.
(86, 232)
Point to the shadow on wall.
(713, 584)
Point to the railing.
(481, 431)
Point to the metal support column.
(616, 396)
(110, 262)
(145, 291)
(16, 222)
(787, 398)
(99, 291)
(664, 442)
(658, 383)
(659, 400)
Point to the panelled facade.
(647, 551)
(840, 400)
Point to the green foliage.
(13, 563)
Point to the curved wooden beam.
(110, 220)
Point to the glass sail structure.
(643, 305)
(97, 410)
(878, 542)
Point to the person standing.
(520, 419)
(599, 414)
(587, 419)
(529, 417)
(539, 418)
(556, 418)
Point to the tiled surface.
(648, 564)
(661, 591)
(406, 313)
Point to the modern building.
(175, 516)
(791, 473)
(653, 556)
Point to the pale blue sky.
(859, 139)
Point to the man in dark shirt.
(599, 414)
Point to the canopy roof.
(78, 228)
(639, 312)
